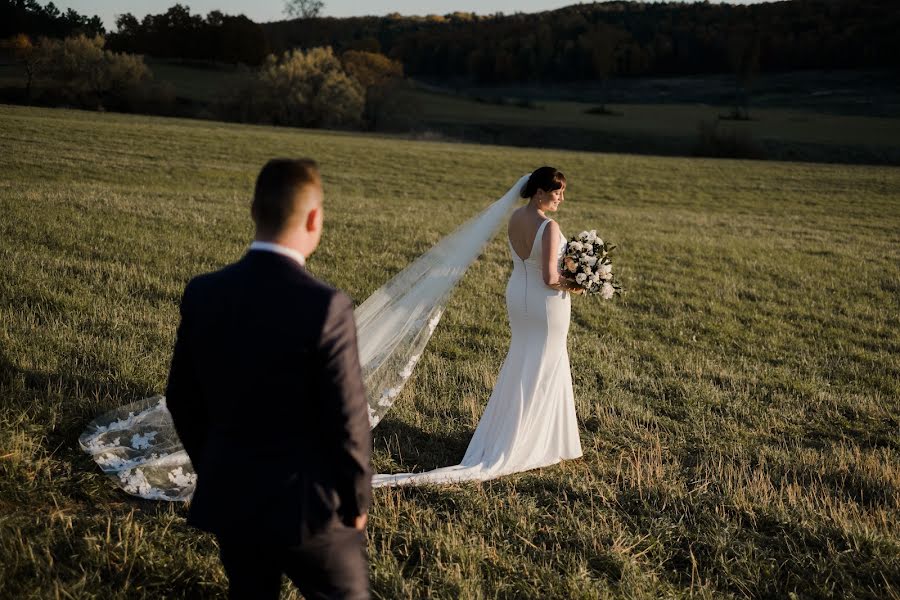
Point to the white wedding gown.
(530, 418)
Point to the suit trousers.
(329, 565)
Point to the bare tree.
(603, 44)
(303, 9)
(25, 53)
(743, 54)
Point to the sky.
(272, 10)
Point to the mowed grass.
(738, 408)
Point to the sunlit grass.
(738, 408)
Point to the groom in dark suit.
(267, 396)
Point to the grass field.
(739, 408)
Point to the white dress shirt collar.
(279, 249)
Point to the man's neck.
(279, 248)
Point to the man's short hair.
(277, 196)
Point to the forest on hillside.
(30, 18)
(576, 43)
(594, 41)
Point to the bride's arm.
(549, 267)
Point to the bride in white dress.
(530, 419)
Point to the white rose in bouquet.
(607, 291)
(581, 277)
(605, 271)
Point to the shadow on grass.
(415, 449)
(73, 400)
(52, 410)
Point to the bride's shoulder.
(550, 228)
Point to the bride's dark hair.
(545, 178)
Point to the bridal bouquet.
(586, 262)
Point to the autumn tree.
(301, 88)
(86, 74)
(381, 78)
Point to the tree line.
(591, 41)
(177, 33)
(28, 17)
(579, 42)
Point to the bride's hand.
(570, 286)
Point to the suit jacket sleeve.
(346, 407)
(183, 396)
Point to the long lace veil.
(136, 444)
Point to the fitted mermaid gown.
(530, 420)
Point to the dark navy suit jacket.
(266, 393)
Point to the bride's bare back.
(522, 229)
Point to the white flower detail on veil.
(135, 482)
(373, 417)
(182, 479)
(142, 442)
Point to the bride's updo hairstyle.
(545, 178)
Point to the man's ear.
(311, 218)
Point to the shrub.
(603, 110)
(304, 89)
(152, 97)
(82, 73)
(730, 143)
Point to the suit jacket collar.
(266, 259)
(279, 249)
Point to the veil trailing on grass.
(136, 444)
